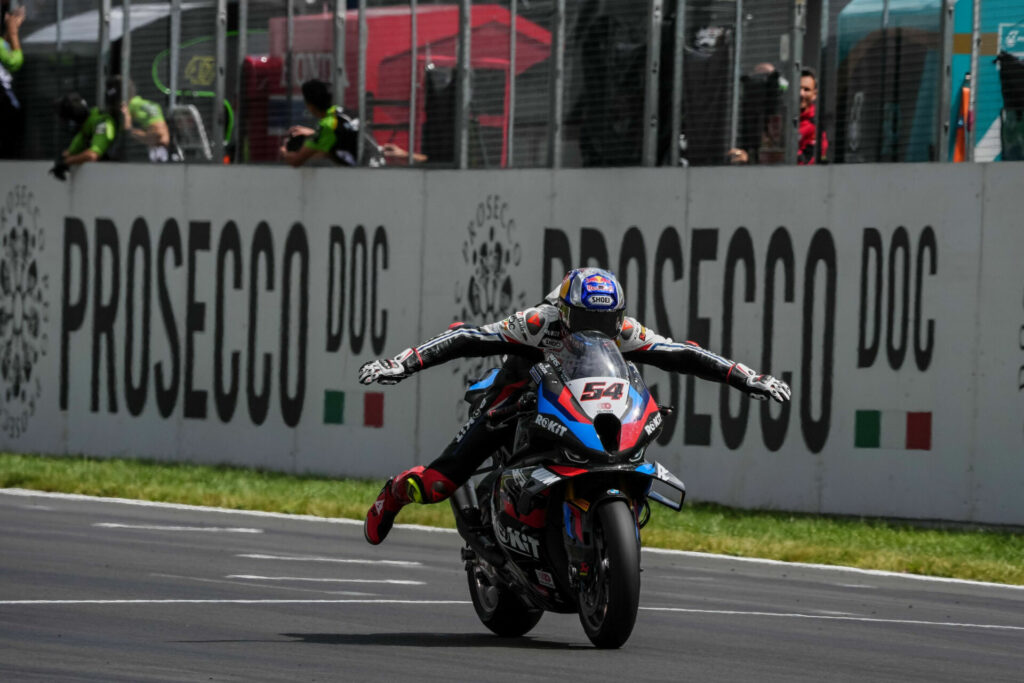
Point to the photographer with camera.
(336, 135)
(95, 129)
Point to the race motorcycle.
(554, 523)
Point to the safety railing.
(517, 83)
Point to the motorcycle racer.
(587, 299)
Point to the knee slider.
(423, 485)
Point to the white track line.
(159, 527)
(339, 560)
(235, 602)
(777, 615)
(292, 589)
(394, 582)
(828, 617)
(659, 551)
(28, 493)
(833, 568)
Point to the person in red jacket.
(808, 131)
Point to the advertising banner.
(215, 315)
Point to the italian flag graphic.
(372, 404)
(893, 429)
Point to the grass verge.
(977, 554)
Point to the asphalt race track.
(99, 590)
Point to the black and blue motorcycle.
(554, 523)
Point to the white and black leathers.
(527, 333)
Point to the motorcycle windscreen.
(597, 375)
(602, 382)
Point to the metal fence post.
(885, 75)
(557, 85)
(364, 124)
(796, 46)
(126, 47)
(975, 81)
(339, 76)
(103, 58)
(678, 51)
(60, 21)
(175, 57)
(462, 90)
(413, 75)
(126, 65)
(220, 82)
(242, 46)
(652, 82)
(737, 54)
(945, 85)
(513, 39)
(820, 82)
(289, 62)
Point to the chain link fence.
(524, 83)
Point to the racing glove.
(383, 371)
(761, 387)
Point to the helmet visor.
(583, 320)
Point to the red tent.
(388, 60)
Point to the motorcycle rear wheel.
(498, 608)
(609, 602)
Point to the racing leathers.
(523, 337)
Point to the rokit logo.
(653, 425)
(466, 426)
(24, 310)
(517, 541)
(550, 425)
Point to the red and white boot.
(418, 485)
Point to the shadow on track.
(410, 640)
(432, 640)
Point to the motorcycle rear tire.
(499, 609)
(608, 604)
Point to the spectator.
(808, 129)
(336, 135)
(12, 117)
(760, 133)
(95, 129)
(144, 122)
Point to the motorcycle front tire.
(609, 603)
(498, 608)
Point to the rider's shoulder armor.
(538, 326)
(635, 337)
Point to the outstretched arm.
(642, 345)
(521, 334)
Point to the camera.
(294, 142)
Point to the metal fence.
(538, 83)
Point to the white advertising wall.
(220, 315)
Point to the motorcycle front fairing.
(583, 445)
(592, 403)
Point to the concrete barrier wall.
(220, 315)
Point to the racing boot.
(418, 485)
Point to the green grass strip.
(977, 554)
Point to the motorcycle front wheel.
(498, 608)
(610, 599)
